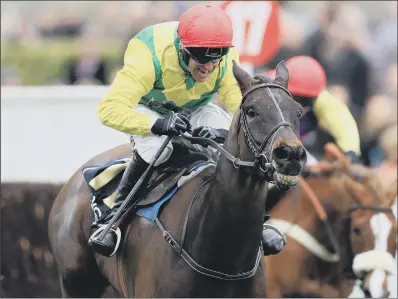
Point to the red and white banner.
(256, 29)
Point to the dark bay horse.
(344, 237)
(223, 210)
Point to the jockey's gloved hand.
(218, 135)
(171, 125)
(355, 159)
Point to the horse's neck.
(330, 199)
(230, 219)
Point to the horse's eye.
(300, 113)
(356, 231)
(250, 112)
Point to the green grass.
(43, 63)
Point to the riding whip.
(169, 106)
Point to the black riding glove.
(171, 125)
(218, 135)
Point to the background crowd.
(83, 42)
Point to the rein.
(320, 211)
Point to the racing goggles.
(205, 55)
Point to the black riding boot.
(133, 172)
(273, 239)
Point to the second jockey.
(186, 62)
(307, 84)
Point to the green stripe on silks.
(147, 36)
(189, 81)
(155, 95)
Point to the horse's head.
(269, 119)
(373, 226)
(373, 234)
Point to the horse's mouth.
(285, 182)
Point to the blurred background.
(49, 129)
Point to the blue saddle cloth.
(153, 211)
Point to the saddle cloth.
(103, 181)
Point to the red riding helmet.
(206, 26)
(307, 78)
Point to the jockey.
(187, 62)
(307, 82)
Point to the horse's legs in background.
(314, 288)
(273, 291)
(272, 288)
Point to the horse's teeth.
(288, 178)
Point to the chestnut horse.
(212, 225)
(341, 237)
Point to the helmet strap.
(184, 56)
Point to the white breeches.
(207, 115)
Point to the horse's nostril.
(302, 154)
(281, 153)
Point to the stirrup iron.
(118, 236)
(269, 226)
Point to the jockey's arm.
(335, 118)
(229, 92)
(137, 77)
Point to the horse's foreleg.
(64, 293)
(82, 284)
(314, 288)
(273, 291)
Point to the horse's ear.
(243, 78)
(282, 74)
(332, 153)
(358, 191)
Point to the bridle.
(361, 276)
(261, 154)
(371, 208)
(262, 161)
